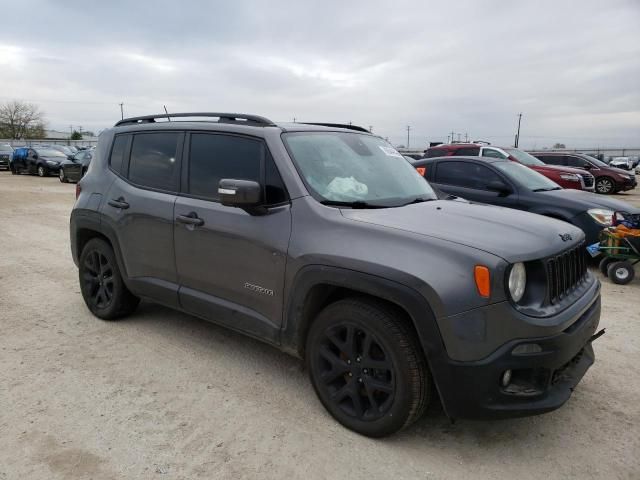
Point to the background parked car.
(73, 169)
(6, 151)
(62, 148)
(621, 162)
(608, 179)
(36, 160)
(508, 184)
(564, 176)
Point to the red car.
(566, 177)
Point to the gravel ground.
(165, 395)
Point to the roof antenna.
(165, 111)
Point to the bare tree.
(20, 120)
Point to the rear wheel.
(604, 265)
(621, 272)
(367, 367)
(101, 284)
(42, 172)
(605, 185)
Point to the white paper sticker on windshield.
(392, 152)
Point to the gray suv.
(323, 241)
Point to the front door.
(231, 263)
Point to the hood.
(559, 169)
(620, 171)
(510, 234)
(585, 200)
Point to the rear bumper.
(541, 381)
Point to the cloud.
(470, 67)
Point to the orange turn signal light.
(483, 280)
(421, 170)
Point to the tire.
(13, 171)
(375, 391)
(101, 284)
(621, 273)
(42, 172)
(61, 176)
(605, 185)
(604, 265)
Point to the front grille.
(565, 272)
(587, 179)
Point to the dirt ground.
(165, 395)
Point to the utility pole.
(518, 134)
(466, 137)
(121, 111)
(452, 136)
(408, 130)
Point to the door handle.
(118, 203)
(190, 219)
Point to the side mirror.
(587, 166)
(500, 187)
(244, 194)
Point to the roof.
(423, 161)
(236, 119)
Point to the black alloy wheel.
(367, 367)
(357, 372)
(101, 284)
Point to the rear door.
(230, 263)
(139, 209)
(470, 180)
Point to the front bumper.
(541, 382)
(626, 185)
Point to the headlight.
(52, 162)
(570, 177)
(517, 281)
(602, 216)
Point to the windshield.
(353, 168)
(523, 157)
(526, 177)
(6, 148)
(595, 161)
(49, 152)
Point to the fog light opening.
(526, 349)
(506, 378)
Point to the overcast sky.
(571, 67)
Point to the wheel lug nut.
(358, 359)
(364, 371)
(360, 380)
(348, 362)
(350, 374)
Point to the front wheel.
(61, 176)
(605, 185)
(367, 367)
(101, 283)
(621, 273)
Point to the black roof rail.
(338, 125)
(222, 118)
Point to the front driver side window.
(490, 152)
(466, 174)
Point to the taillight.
(78, 190)
(422, 170)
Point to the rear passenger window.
(117, 153)
(468, 151)
(153, 160)
(436, 152)
(214, 157)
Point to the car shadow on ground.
(433, 428)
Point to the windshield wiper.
(353, 204)
(416, 200)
